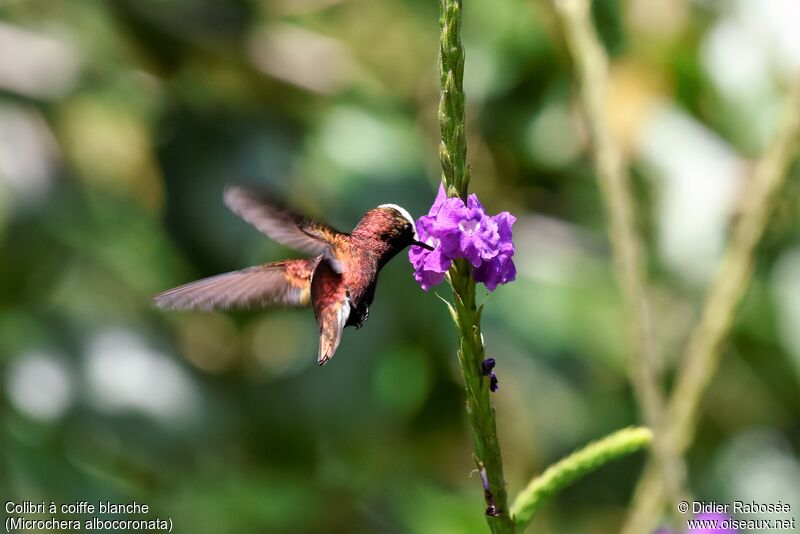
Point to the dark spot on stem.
(487, 369)
(488, 497)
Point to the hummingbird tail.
(331, 323)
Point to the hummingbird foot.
(362, 319)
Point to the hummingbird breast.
(359, 261)
(360, 271)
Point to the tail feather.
(331, 324)
(331, 302)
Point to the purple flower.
(429, 266)
(498, 270)
(504, 220)
(466, 231)
(457, 230)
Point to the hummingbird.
(338, 280)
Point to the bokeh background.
(122, 121)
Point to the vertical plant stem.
(480, 412)
(736, 270)
(703, 352)
(453, 148)
(647, 503)
(591, 64)
(471, 352)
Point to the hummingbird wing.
(331, 302)
(283, 225)
(285, 283)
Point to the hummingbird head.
(390, 224)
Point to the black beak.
(421, 244)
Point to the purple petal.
(441, 196)
(451, 244)
(450, 215)
(474, 204)
(423, 226)
(487, 273)
(498, 270)
(504, 221)
(507, 271)
(490, 238)
(428, 279)
(469, 248)
(436, 262)
(417, 255)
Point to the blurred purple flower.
(704, 525)
(457, 230)
(710, 519)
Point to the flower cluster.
(457, 230)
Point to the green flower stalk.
(465, 312)
(574, 466)
(453, 149)
(471, 354)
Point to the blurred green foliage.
(120, 124)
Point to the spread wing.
(283, 283)
(284, 226)
(331, 307)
